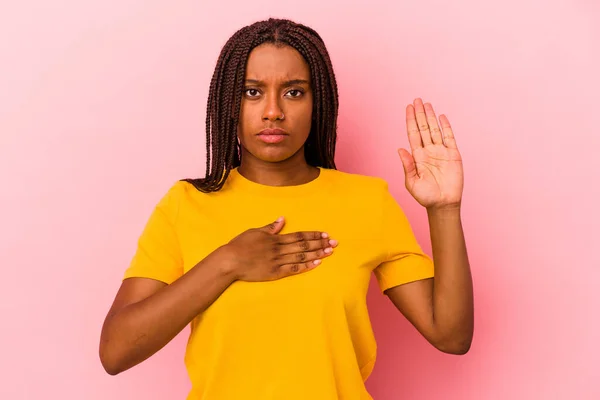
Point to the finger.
(447, 133)
(303, 257)
(436, 133)
(301, 236)
(307, 245)
(274, 227)
(414, 136)
(297, 268)
(408, 163)
(422, 122)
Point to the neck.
(290, 172)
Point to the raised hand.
(434, 170)
(262, 254)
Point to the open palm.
(434, 170)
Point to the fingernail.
(279, 219)
(328, 250)
(324, 235)
(333, 242)
(317, 262)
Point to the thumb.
(274, 227)
(408, 163)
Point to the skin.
(147, 314)
(440, 308)
(277, 94)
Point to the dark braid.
(226, 89)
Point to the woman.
(277, 306)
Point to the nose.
(272, 110)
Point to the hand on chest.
(344, 275)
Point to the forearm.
(137, 331)
(453, 286)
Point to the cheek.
(306, 118)
(303, 115)
(244, 123)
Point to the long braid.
(314, 140)
(326, 89)
(226, 89)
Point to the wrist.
(226, 264)
(445, 211)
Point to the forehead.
(270, 62)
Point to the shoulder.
(175, 192)
(357, 182)
(177, 195)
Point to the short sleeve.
(158, 254)
(404, 260)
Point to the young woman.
(277, 306)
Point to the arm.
(441, 309)
(147, 314)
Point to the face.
(276, 109)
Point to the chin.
(274, 154)
(274, 158)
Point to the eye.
(295, 93)
(251, 92)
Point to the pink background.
(102, 109)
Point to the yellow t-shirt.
(303, 337)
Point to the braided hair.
(226, 89)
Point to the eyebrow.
(286, 83)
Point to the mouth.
(272, 135)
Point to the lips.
(272, 135)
